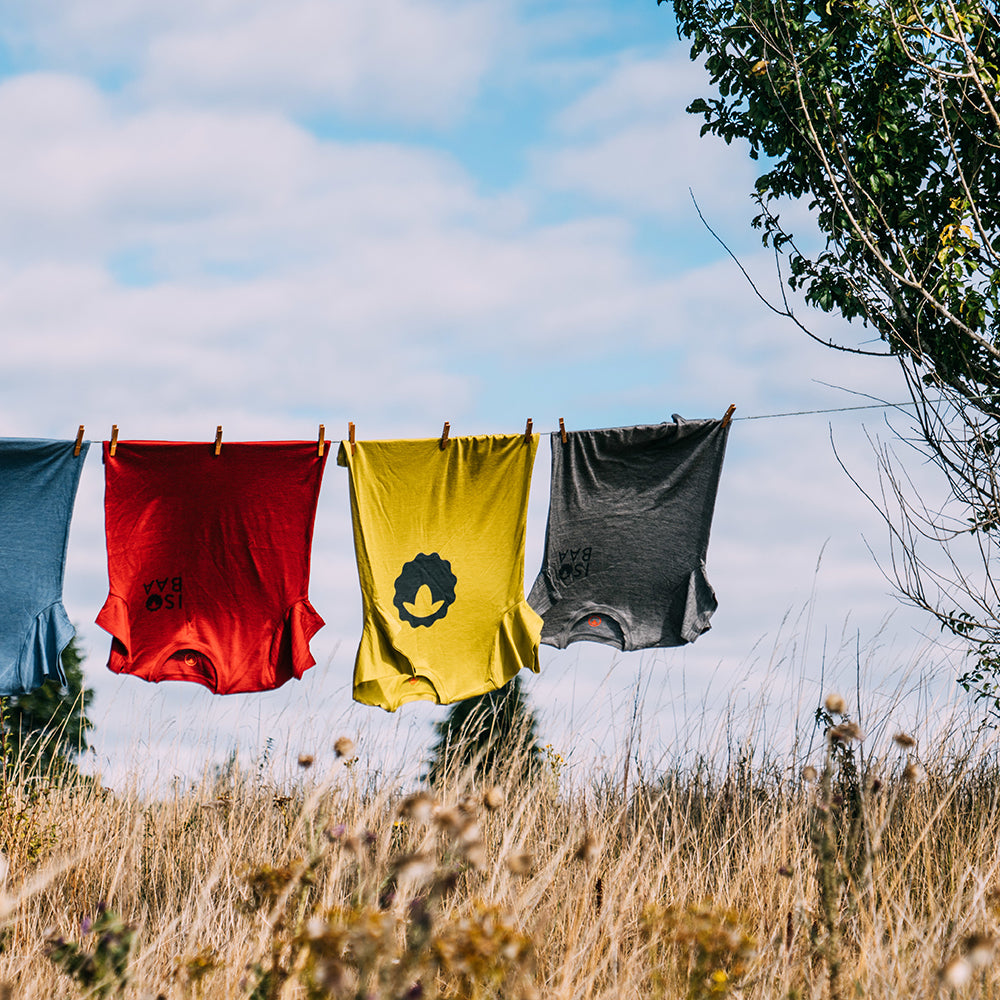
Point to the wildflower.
(344, 747)
(835, 704)
(493, 798)
(956, 973)
(306, 761)
(914, 773)
(846, 732)
(519, 862)
(587, 850)
(333, 833)
(809, 773)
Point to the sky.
(271, 214)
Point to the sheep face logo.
(425, 589)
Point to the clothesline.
(837, 409)
(528, 428)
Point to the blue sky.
(270, 214)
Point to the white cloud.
(634, 89)
(81, 176)
(416, 61)
(629, 143)
(410, 60)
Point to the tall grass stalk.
(874, 875)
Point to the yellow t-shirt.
(439, 537)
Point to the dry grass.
(873, 879)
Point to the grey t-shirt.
(630, 511)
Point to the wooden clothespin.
(218, 439)
(444, 435)
(527, 432)
(729, 415)
(350, 435)
(562, 430)
(114, 440)
(322, 439)
(79, 442)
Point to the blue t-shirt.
(38, 483)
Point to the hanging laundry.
(630, 511)
(38, 483)
(208, 561)
(439, 537)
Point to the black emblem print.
(166, 593)
(574, 564)
(425, 589)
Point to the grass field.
(848, 875)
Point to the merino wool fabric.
(38, 484)
(630, 511)
(439, 537)
(208, 561)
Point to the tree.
(47, 729)
(486, 735)
(885, 117)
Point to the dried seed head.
(448, 820)
(475, 854)
(468, 805)
(413, 867)
(419, 807)
(835, 704)
(470, 832)
(846, 732)
(306, 761)
(493, 798)
(784, 871)
(914, 773)
(956, 973)
(587, 850)
(519, 862)
(809, 773)
(344, 747)
(904, 740)
(315, 928)
(979, 949)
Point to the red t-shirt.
(208, 561)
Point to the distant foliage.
(485, 735)
(48, 729)
(882, 118)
